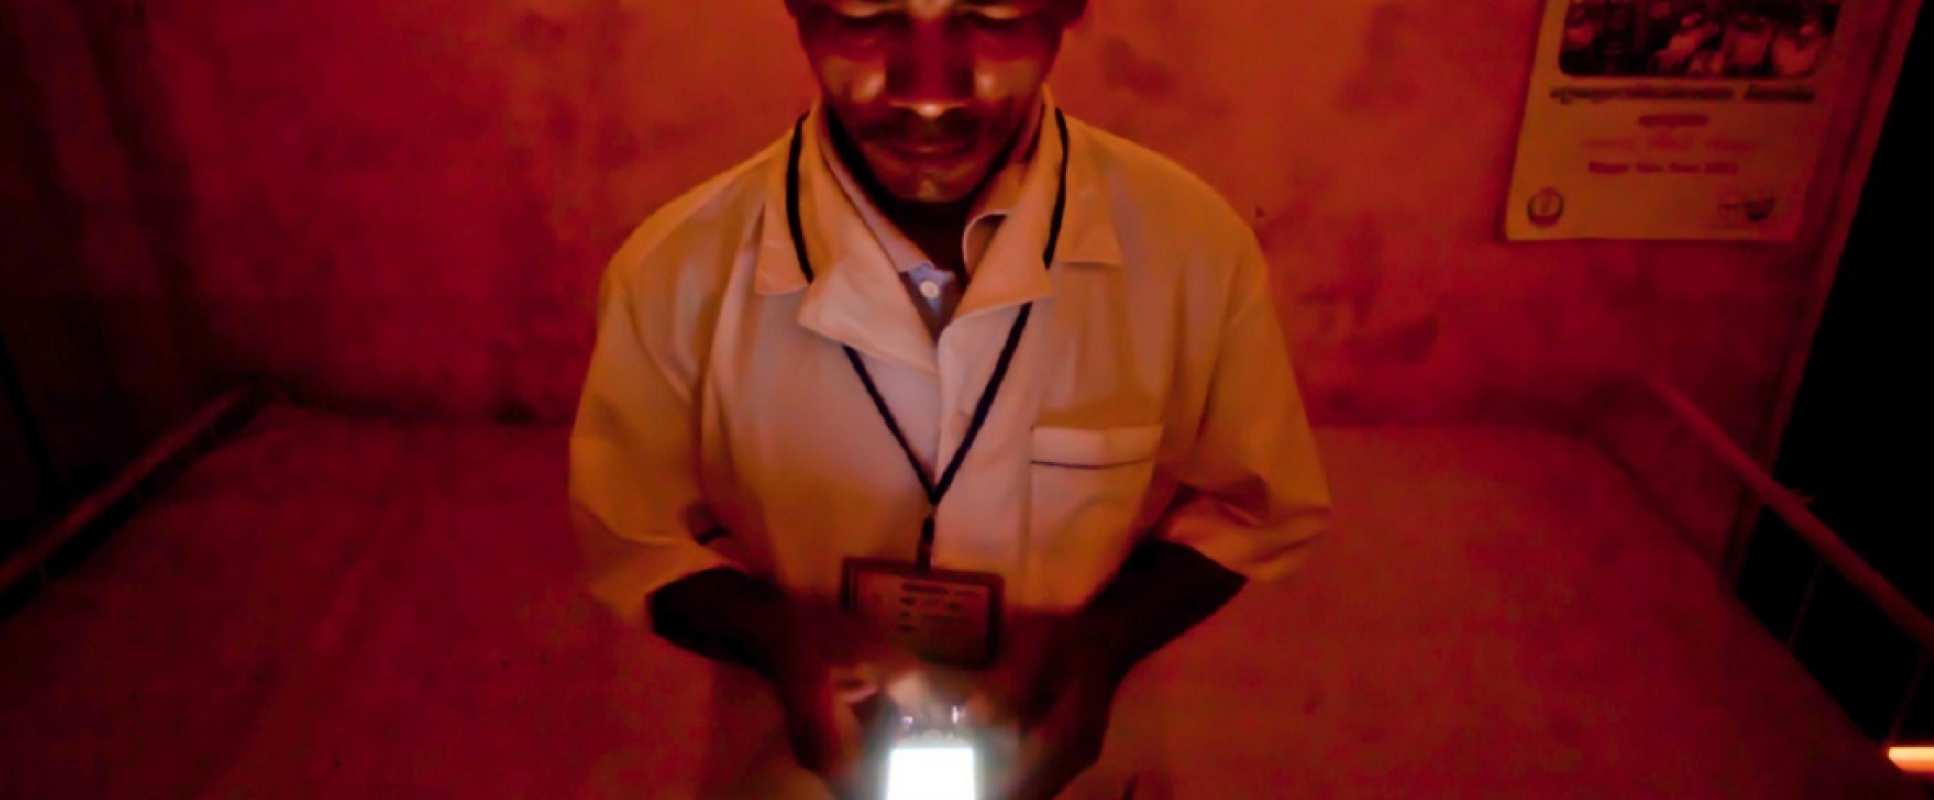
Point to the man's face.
(931, 92)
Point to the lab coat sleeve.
(635, 498)
(1252, 493)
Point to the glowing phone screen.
(931, 772)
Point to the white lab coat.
(1151, 396)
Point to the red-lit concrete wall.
(404, 206)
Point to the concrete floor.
(331, 607)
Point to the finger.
(892, 659)
(813, 742)
(999, 696)
(982, 710)
(844, 772)
(953, 685)
(1042, 772)
(1066, 743)
(825, 735)
(993, 702)
(915, 696)
(1037, 687)
(855, 684)
(1048, 779)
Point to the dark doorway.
(1858, 441)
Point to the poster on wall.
(1673, 119)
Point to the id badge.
(950, 618)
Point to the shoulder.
(1169, 205)
(692, 242)
(1181, 239)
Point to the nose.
(930, 72)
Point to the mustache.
(907, 126)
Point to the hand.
(1058, 687)
(821, 723)
(830, 675)
(1066, 738)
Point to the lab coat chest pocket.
(1086, 485)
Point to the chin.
(950, 187)
(935, 192)
(950, 181)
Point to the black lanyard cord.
(923, 556)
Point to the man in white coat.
(941, 340)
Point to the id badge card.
(950, 618)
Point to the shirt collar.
(1088, 234)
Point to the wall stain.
(1126, 68)
(1386, 79)
(1360, 277)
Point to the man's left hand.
(1066, 738)
(1057, 689)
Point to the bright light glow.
(1917, 760)
(915, 772)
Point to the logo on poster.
(1545, 207)
(1753, 208)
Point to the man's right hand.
(829, 676)
(832, 673)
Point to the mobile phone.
(933, 768)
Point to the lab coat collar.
(857, 298)
(1088, 234)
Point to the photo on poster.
(1697, 38)
(1676, 119)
